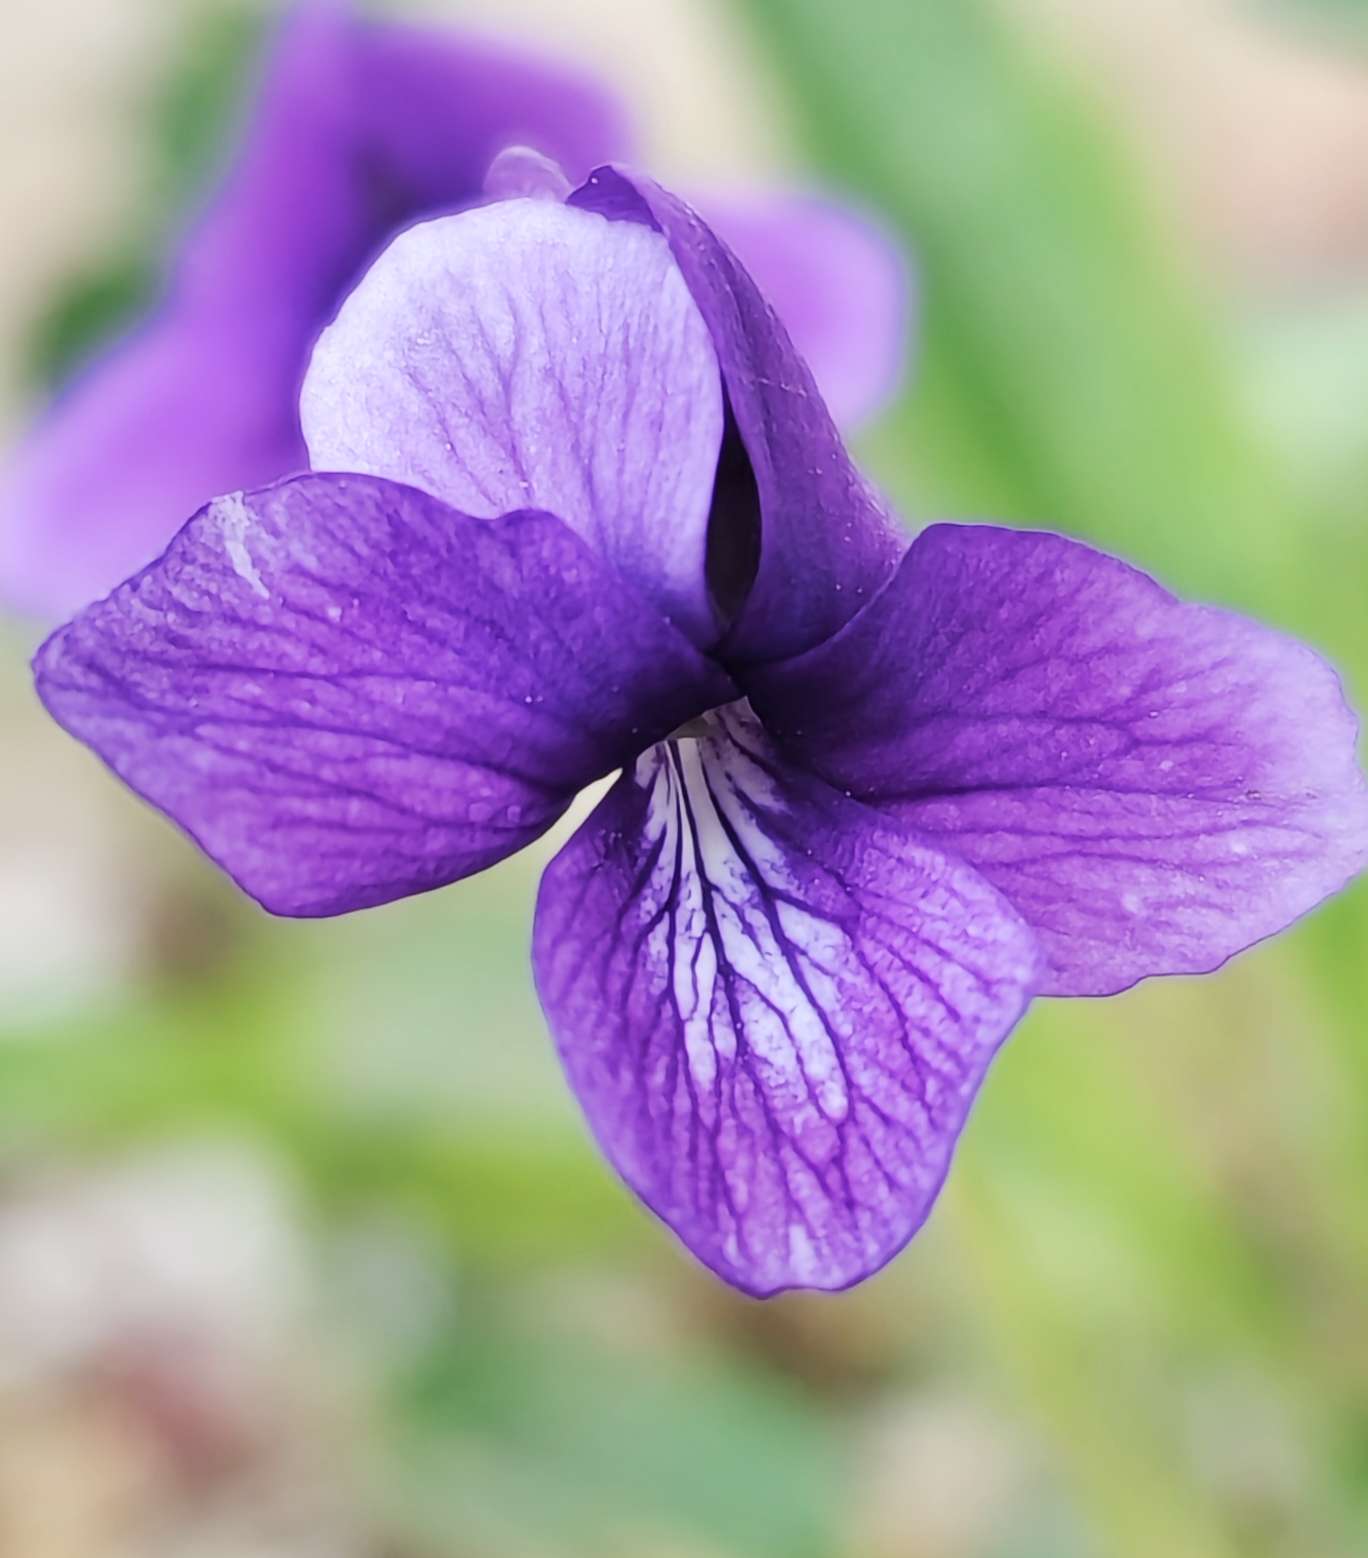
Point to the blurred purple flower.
(358, 130)
(873, 797)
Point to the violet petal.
(839, 282)
(530, 354)
(357, 129)
(774, 1004)
(1154, 785)
(346, 692)
(826, 542)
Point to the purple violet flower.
(358, 129)
(873, 796)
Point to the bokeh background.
(303, 1249)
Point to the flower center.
(693, 730)
(712, 724)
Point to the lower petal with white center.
(775, 1005)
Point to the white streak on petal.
(730, 909)
(231, 513)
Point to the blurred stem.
(189, 126)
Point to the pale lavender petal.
(346, 692)
(799, 538)
(775, 1006)
(530, 354)
(356, 130)
(1154, 785)
(839, 281)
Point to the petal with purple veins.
(1154, 785)
(775, 1006)
(346, 692)
(528, 354)
(807, 540)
